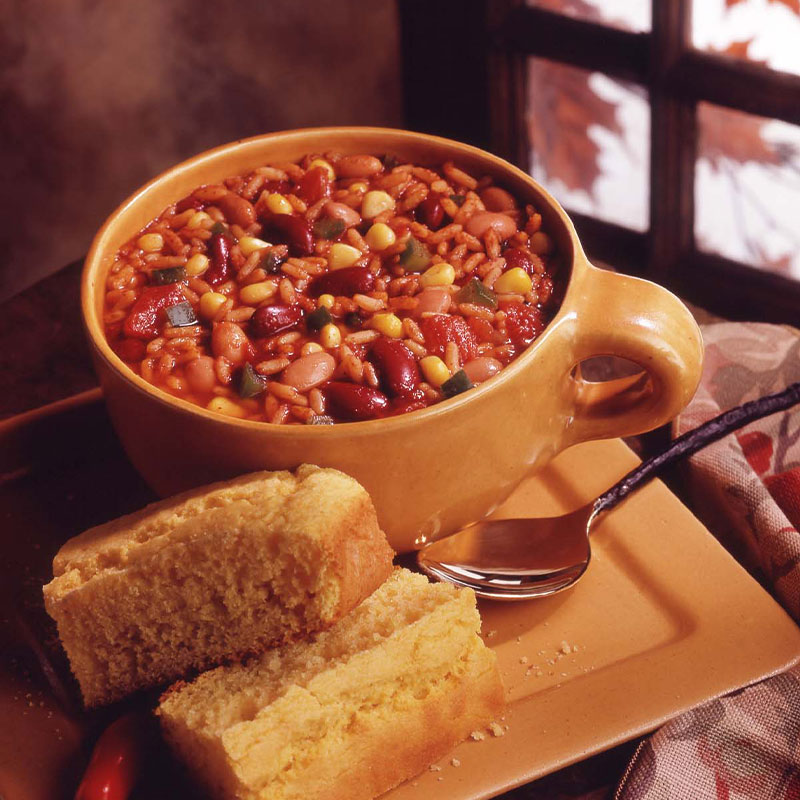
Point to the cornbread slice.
(211, 575)
(370, 702)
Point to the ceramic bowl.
(432, 471)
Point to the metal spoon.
(518, 559)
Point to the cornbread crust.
(370, 702)
(212, 575)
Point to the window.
(670, 131)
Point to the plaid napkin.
(746, 488)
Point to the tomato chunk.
(523, 323)
(314, 185)
(440, 329)
(145, 317)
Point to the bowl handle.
(623, 316)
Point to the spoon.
(519, 559)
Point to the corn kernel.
(388, 324)
(222, 405)
(278, 204)
(197, 265)
(342, 255)
(249, 244)
(210, 303)
(380, 236)
(199, 220)
(514, 281)
(256, 293)
(540, 243)
(310, 347)
(150, 242)
(358, 186)
(376, 202)
(438, 275)
(325, 300)
(330, 336)
(434, 370)
(323, 164)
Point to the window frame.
(485, 104)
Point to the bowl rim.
(98, 252)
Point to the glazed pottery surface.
(432, 471)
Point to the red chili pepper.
(143, 321)
(117, 759)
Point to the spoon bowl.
(521, 559)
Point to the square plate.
(663, 620)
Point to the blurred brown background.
(97, 98)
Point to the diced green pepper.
(250, 382)
(456, 384)
(354, 320)
(328, 228)
(161, 277)
(416, 257)
(390, 161)
(458, 199)
(318, 318)
(181, 315)
(271, 263)
(476, 293)
(321, 419)
(218, 227)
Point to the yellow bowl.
(432, 471)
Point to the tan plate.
(663, 620)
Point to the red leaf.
(723, 793)
(792, 5)
(785, 488)
(757, 448)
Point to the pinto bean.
(360, 166)
(200, 374)
(230, 341)
(309, 371)
(434, 299)
(481, 221)
(343, 212)
(482, 368)
(237, 209)
(497, 199)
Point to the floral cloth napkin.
(746, 488)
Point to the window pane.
(766, 31)
(630, 15)
(747, 189)
(590, 141)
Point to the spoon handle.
(695, 440)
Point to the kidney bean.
(200, 374)
(347, 282)
(309, 371)
(398, 367)
(118, 759)
(515, 257)
(360, 166)
(482, 368)
(354, 402)
(269, 320)
(314, 185)
(219, 247)
(145, 316)
(481, 221)
(188, 202)
(130, 349)
(230, 341)
(237, 209)
(434, 299)
(291, 230)
(497, 199)
(402, 405)
(430, 212)
(343, 212)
